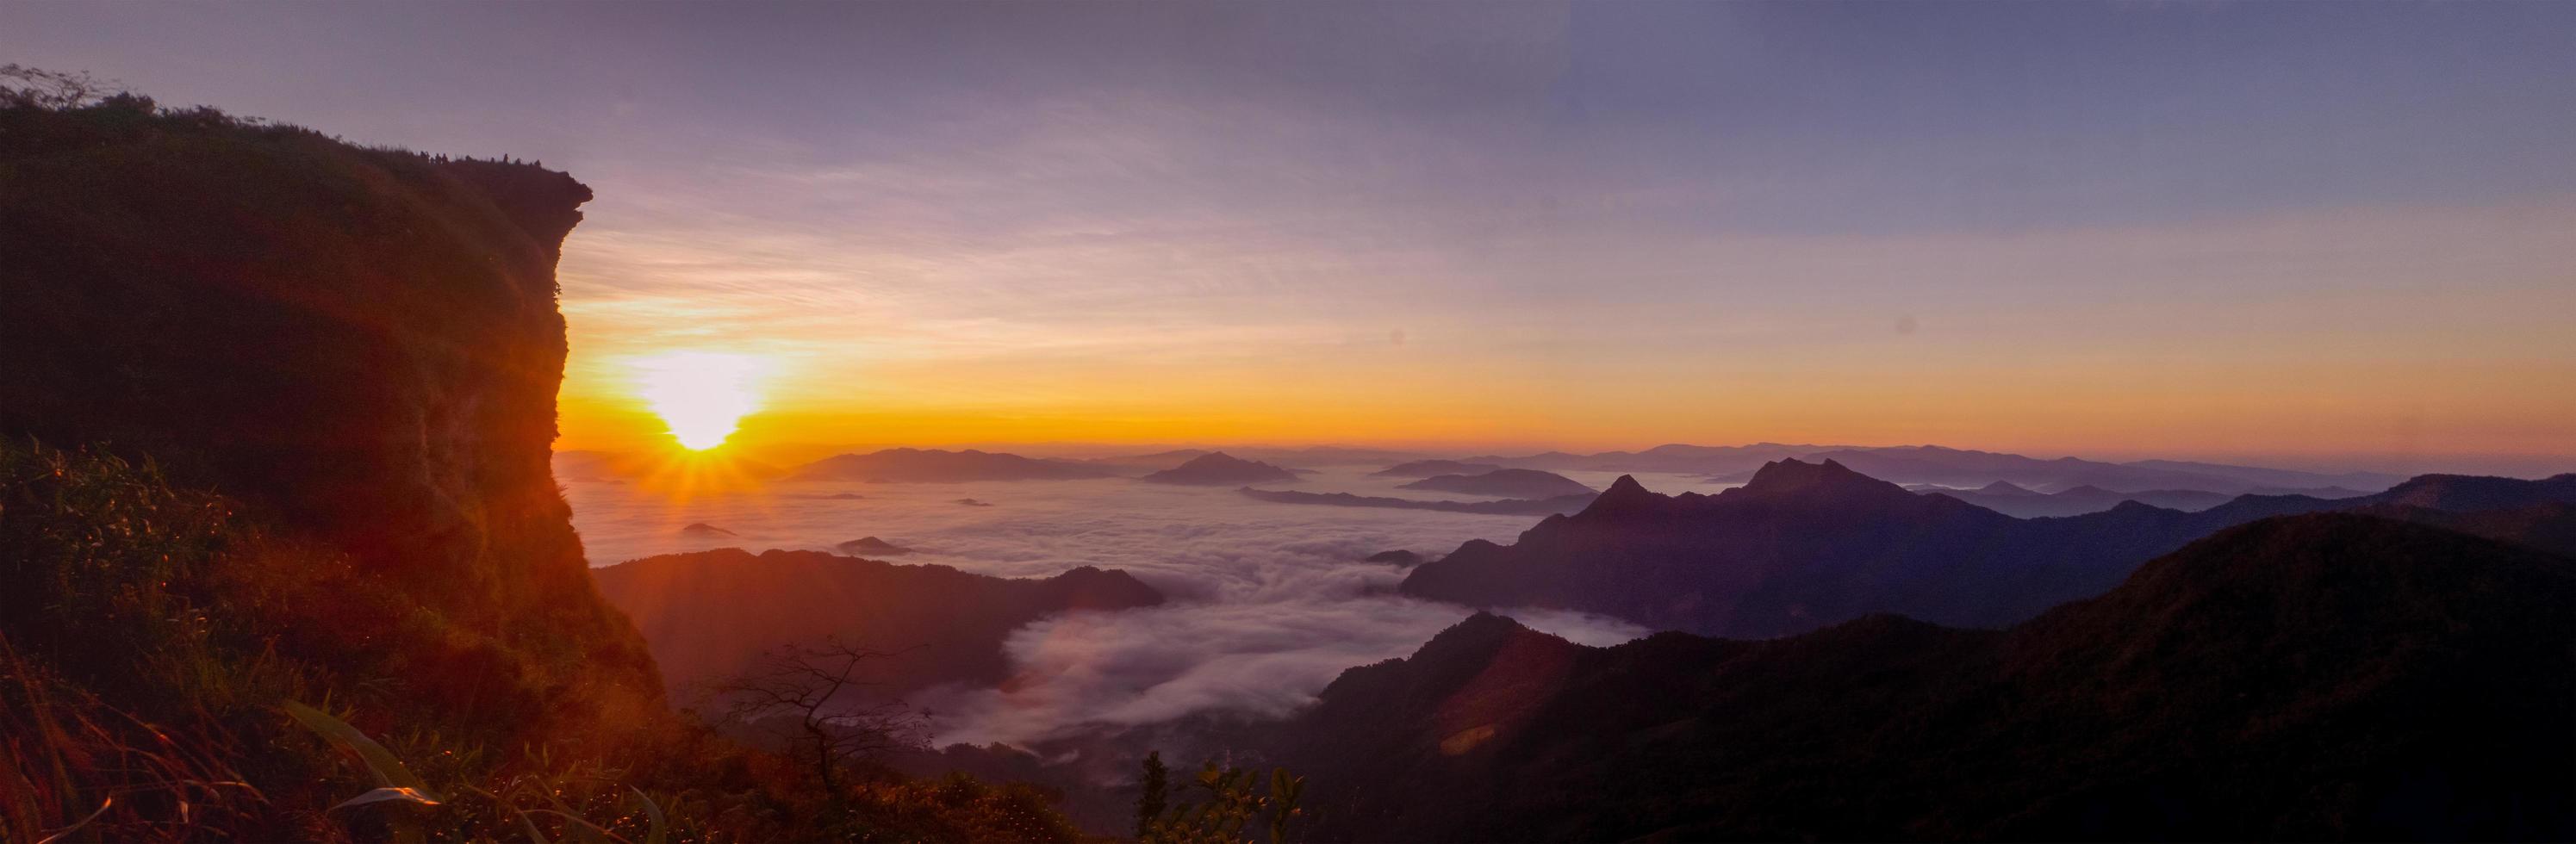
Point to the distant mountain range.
(1953, 468)
(1428, 468)
(1956, 467)
(1912, 465)
(708, 615)
(1508, 483)
(1219, 468)
(912, 465)
(1509, 506)
(2018, 502)
(2325, 676)
(1804, 545)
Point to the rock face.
(709, 614)
(1805, 545)
(2318, 676)
(1505, 483)
(359, 346)
(913, 465)
(1220, 468)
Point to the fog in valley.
(1268, 602)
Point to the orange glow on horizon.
(2183, 340)
(700, 396)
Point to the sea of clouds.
(1269, 602)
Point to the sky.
(2301, 232)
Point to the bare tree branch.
(815, 695)
(27, 87)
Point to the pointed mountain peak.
(1624, 495)
(1472, 640)
(2006, 488)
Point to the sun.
(701, 396)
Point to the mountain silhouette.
(1428, 468)
(913, 465)
(2548, 526)
(708, 615)
(2023, 503)
(2317, 676)
(1804, 545)
(1220, 468)
(1505, 507)
(869, 545)
(1505, 483)
(1952, 467)
(2467, 492)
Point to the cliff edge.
(358, 349)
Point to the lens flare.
(701, 396)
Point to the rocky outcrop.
(360, 347)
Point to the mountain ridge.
(709, 614)
(1216, 468)
(1808, 544)
(1504, 483)
(914, 465)
(2407, 682)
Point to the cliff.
(275, 414)
(358, 350)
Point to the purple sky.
(2291, 229)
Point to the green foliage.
(1228, 804)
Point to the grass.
(155, 642)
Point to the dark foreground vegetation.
(274, 422)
